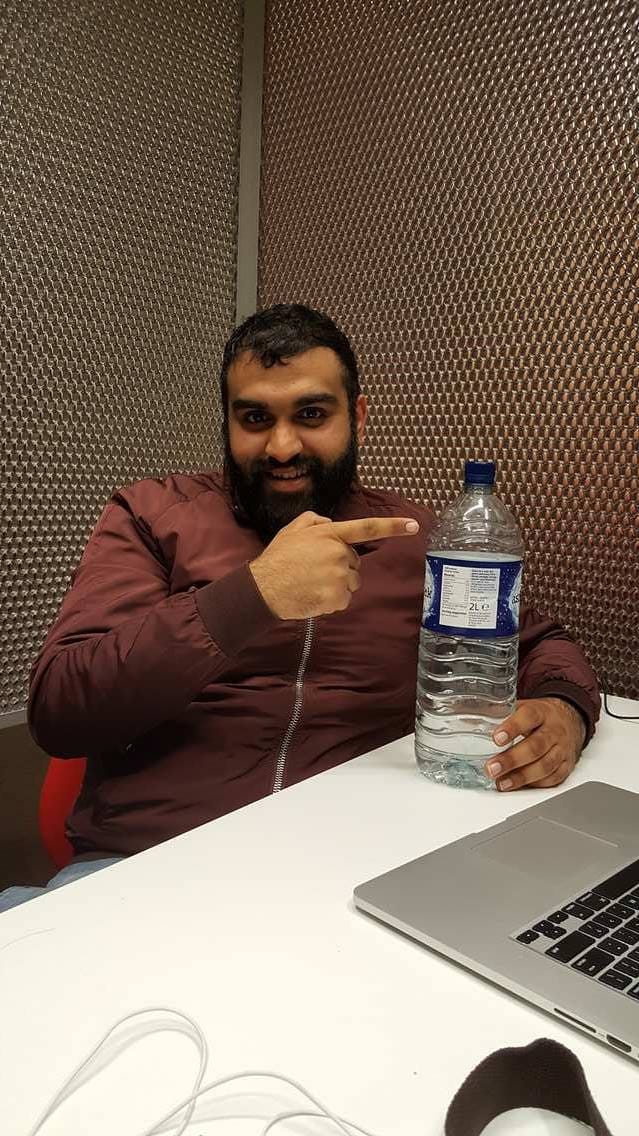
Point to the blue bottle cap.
(479, 473)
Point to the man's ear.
(361, 414)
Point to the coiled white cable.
(178, 1022)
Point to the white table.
(248, 925)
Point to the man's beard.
(269, 510)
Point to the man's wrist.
(572, 693)
(580, 726)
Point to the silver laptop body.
(541, 904)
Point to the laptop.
(545, 904)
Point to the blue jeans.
(14, 896)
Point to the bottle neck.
(480, 488)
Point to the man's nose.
(284, 443)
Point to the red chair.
(62, 783)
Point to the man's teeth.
(287, 476)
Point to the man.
(226, 636)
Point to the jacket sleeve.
(124, 654)
(552, 665)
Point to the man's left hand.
(552, 734)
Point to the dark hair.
(283, 331)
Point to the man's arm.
(124, 654)
(552, 665)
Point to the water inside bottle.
(462, 768)
(466, 688)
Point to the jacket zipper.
(297, 708)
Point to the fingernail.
(494, 768)
(412, 527)
(507, 784)
(501, 738)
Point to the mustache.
(270, 465)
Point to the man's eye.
(254, 418)
(311, 413)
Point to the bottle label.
(477, 598)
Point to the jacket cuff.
(233, 611)
(570, 692)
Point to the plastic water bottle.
(469, 641)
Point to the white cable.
(266, 1074)
(68, 1088)
(281, 1116)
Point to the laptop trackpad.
(542, 848)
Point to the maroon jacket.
(190, 698)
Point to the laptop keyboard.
(596, 933)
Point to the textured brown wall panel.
(456, 184)
(119, 125)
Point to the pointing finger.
(374, 528)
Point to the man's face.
(291, 443)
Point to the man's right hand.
(310, 569)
